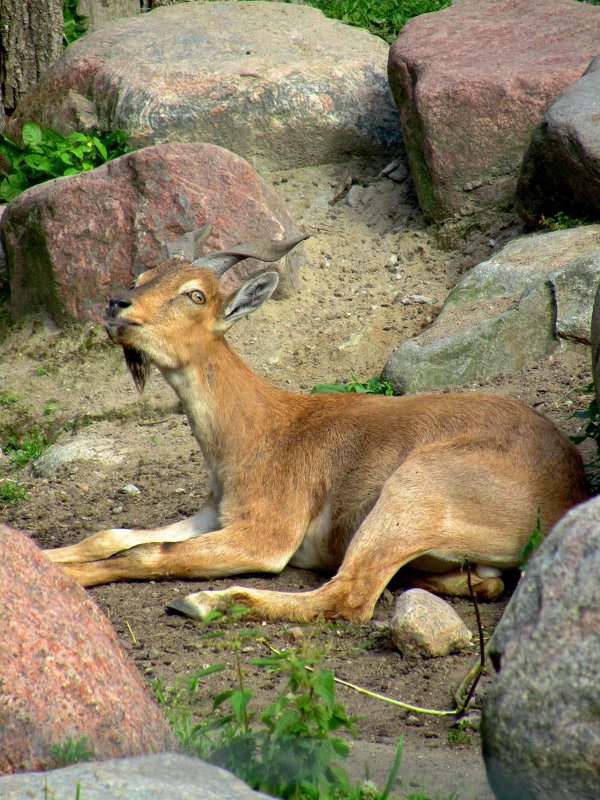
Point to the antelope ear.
(250, 296)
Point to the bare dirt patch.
(368, 252)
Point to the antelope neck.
(226, 403)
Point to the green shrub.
(535, 539)
(74, 25)
(290, 751)
(591, 416)
(383, 18)
(561, 221)
(373, 386)
(47, 154)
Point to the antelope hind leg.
(421, 510)
(309, 606)
(456, 584)
(387, 539)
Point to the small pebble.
(415, 299)
(294, 634)
(399, 174)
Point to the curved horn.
(190, 244)
(261, 249)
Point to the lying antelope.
(360, 484)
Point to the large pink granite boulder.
(63, 672)
(278, 84)
(71, 242)
(472, 82)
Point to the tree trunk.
(30, 40)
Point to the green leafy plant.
(383, 18)
(290, 750)
(74, 25)
(373, 386)
(561, 221)
(11, 492)
(22, 451)
(591, 416)
(72, 751)
(47, 154)
(535, 539)
(461, 731)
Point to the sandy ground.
(367, 252)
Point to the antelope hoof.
(489, 589)
(199, 605)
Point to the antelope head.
(176, 310)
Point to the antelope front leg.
(106, 543)
(238, 548)
(418, 512)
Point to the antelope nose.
(116, 304)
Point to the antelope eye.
(197, 297)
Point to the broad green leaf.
(53, 138)
(239, 701)
(38, 163)
(221, 698)
(31, 133)
(330, 388)
(100, 147)
(76, 138)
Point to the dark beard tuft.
(139, 366)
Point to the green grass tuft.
(11, 492)
(21, 452)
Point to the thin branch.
(477, 616)
(474, 675)
(375, 695)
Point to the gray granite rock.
(508, 312)
(279, 84)
(561, 170)
(84, 447)
(168, 776)
(425, 625)
(541, 717)
(98, 11)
